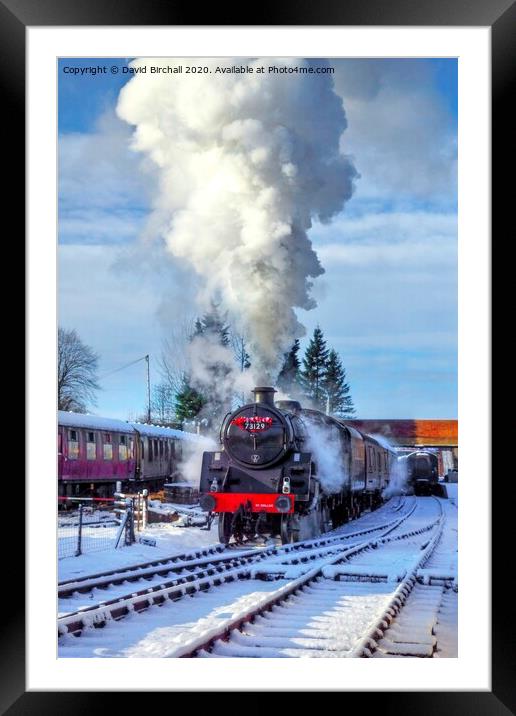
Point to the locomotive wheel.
(287, 533)
(225, 523)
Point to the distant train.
(266, 478)
(94, 453)
(422, 472)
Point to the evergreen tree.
(212, 331)
(314, 370)
(189, 402)
(336, 390)
(288, 377)
(213, 325)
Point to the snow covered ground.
(167, 630)
(170, 540)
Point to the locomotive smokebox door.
(257, 435)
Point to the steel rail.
(206, 557)
(116, 608)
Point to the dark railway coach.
(422, 470)
(269, 476)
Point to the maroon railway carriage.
(95, 453)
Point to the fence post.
(78, 551)
(129, 525)
(145, 507)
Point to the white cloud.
(419, 240)
(104, 189)
(400, 131)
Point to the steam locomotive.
(272, 474)
(421, 472)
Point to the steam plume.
(246, 162)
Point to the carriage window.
(165, 449)
(161, 448)
(142, 447)
(150, 449)
(107, 447)
(122, 448)
(73, 445)
(91, 447)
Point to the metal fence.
(87, 529)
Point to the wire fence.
(86, 529)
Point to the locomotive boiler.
(271, 474)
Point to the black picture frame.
(500, 16)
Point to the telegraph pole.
(148, 390)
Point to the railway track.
(336, 610)
(188, 560)
(201, 570)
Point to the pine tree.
(288, 377)
(213, 325)
(189, 402)
(212, 331)
(314, 370)
(336, 390)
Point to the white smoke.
(325, 444)
(246, 161)
(190, 463)
(398, 480)
(398, 471)
(214, 370)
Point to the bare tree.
(77, 367)
(175, 362)
(163, 404)
(239, 344)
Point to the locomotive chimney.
(264, 395)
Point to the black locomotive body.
(267, 479)
(422, 472)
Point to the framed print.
(188, 185)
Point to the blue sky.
(388, 299)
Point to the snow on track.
(324, 619)
(427, 625)
(88, 594)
